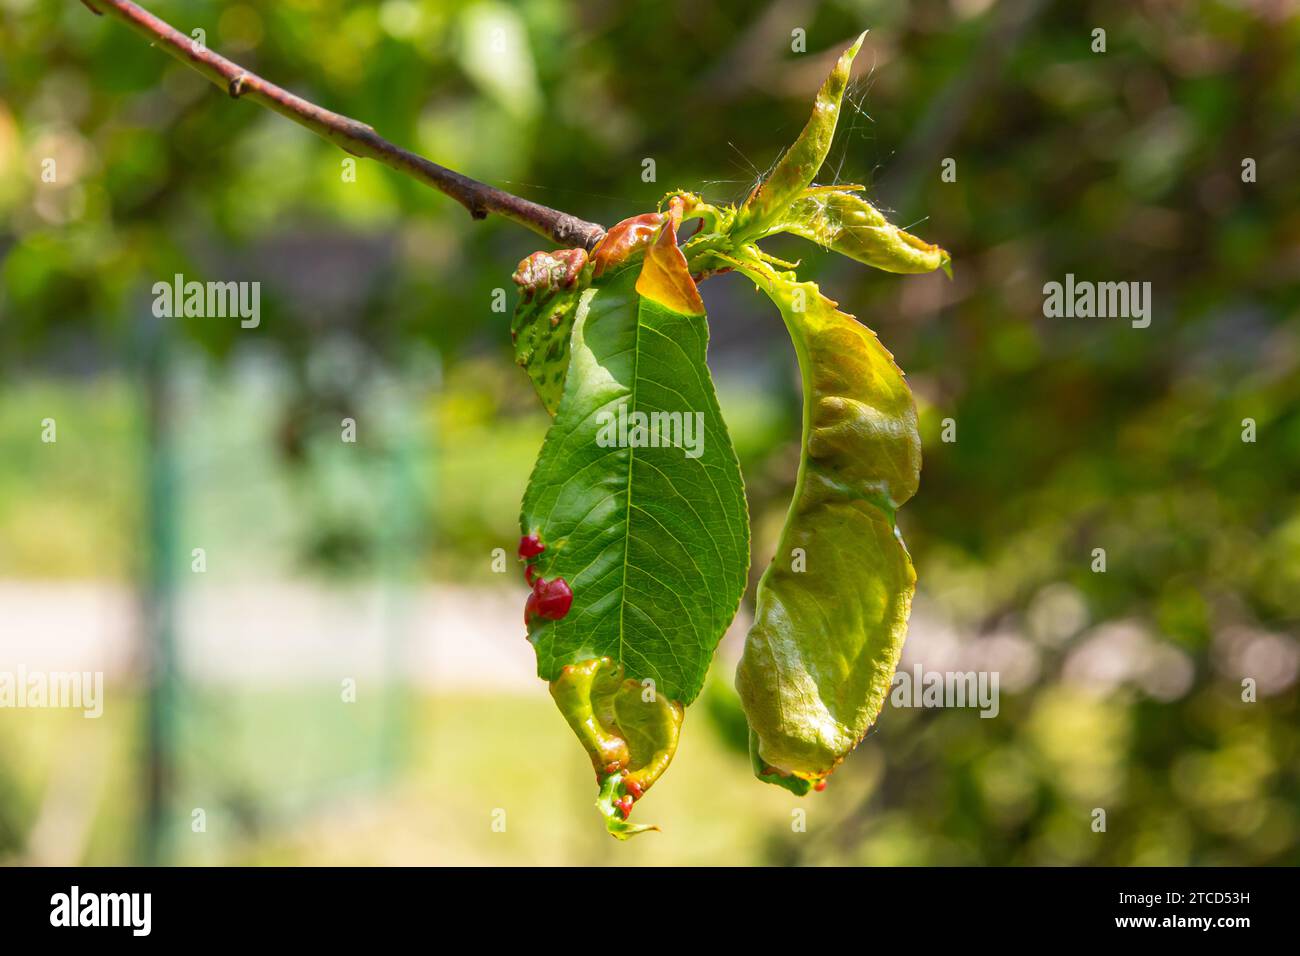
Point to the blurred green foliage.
(1122, 690)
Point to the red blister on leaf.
(530, 546)
(549, 600)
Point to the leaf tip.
(615, 806)
(845, 62)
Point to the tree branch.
(352, 136)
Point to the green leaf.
(843, 222)
(799, 164)
(653, 542)
(638, 508)
(833, 604)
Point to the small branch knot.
(236, 86)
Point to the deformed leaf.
(844, 222)
(828, 631)
(799, 164)
(624, 240)
(549, 286)
(630, 735)
(666, 280)
(611, 801)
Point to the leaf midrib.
(631, 462)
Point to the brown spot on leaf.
(623, 240)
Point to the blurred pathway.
(442, 636)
